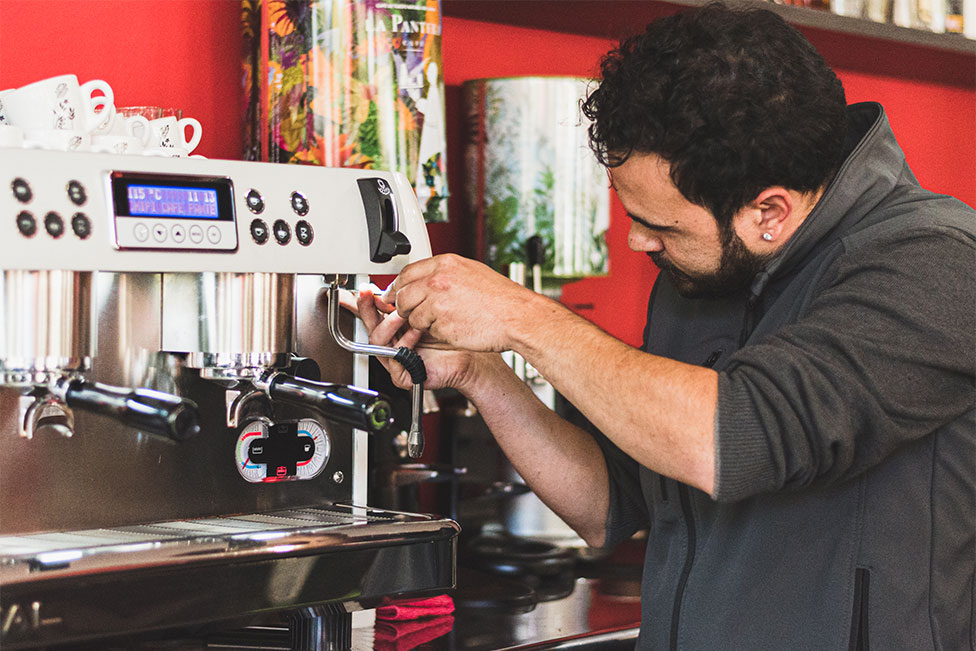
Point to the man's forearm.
(658, 411)
(562, 464)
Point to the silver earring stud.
(768, 237)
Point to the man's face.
(682, 239)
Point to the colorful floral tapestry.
(348, 83)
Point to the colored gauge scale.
(321, 448)
(256, 430)
(295, 450)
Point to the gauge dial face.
(321, 448)
(267, 452)
(251, 471)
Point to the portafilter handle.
(361, 408)
(153, 411)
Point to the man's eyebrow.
(647, 224)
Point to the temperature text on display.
(173, 212)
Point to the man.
(798, 431)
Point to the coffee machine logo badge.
(382, 186)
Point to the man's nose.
(639, 239)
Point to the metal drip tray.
(65, 586)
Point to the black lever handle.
(145, 409)
(361, 408)
(385, 241)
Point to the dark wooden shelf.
(616, 18)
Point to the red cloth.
(405, 635)
(441, 605)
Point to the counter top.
(567, 613)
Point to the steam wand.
(408, 358)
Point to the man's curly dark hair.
(736, 100)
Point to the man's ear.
(766, 219)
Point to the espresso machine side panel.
(110, 475)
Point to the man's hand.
(461, 302)
(445, 367)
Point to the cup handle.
(138, 127)
(194, 140)
(106, 101)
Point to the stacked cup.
(56, 113)
(167, 130)
(60, 114)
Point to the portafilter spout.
(408, 358)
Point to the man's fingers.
(386, 330)
(366, 309)
(410, 338)
(349, 300)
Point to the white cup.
(129, 127)
(170, 132)
(112, 144)
(60, 103)
(57, 139)
(11, 136)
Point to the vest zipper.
(685, 498)
(689, 561)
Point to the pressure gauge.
(282, 451)
(318, 445)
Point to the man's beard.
(737, 269)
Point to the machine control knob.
(26, 224)
(54, 225)
(77, 194)
(282, 231)
(299, 203)
(81, 225)
(259, 231)
(255, 202)
(303, 232)
(22, 190)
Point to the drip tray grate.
(317, 529)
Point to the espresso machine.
(182, 402)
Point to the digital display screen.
(168, 201)
(172, 196)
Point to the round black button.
(77, 194)
(22, 191)
(259, 231)
(255, 203)
(54, 225)
(26, 224)
(303, 232)
(299, 203)
(81, 225)
(282, 231)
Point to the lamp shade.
(530, 172)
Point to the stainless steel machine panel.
(177, 414)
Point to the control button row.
(178, 233)
(54, 225)
(255, 202)
(282, 231)
(23, 193)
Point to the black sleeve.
(885, 355)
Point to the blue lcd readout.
(171, 201)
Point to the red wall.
(186, 53)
